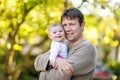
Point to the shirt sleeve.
(54, 50)
(41, 62)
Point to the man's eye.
(72, 24)
(63, 25)
(61, 31)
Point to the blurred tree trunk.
(117, 53)
(10, 69)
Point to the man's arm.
(53, 74)
(41, 62)
(83, 62)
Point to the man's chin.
(69, 39)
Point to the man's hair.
(73, 13)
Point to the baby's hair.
(53, 25)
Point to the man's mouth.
(69, 34)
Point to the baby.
(58, 46)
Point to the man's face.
(73, 30)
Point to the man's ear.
(83, 25)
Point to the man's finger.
(68, 72)
(70, 68)
(60, 70)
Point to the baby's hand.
(54, 65)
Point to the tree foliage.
(102, 21)
(23, 27)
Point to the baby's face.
(56, 33)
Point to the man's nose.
(67, 28)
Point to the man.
(81, 60)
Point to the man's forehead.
(69, 20)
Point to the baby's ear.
(49, 36)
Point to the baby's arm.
(54, 51)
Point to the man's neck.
(76, 42)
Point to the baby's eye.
(54, 32)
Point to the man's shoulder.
(87, 42)
(91, 46)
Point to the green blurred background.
(23, 34)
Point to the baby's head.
(56, 32)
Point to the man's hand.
(64, 65)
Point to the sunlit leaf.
(17, 47)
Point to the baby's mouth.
(59, 36)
